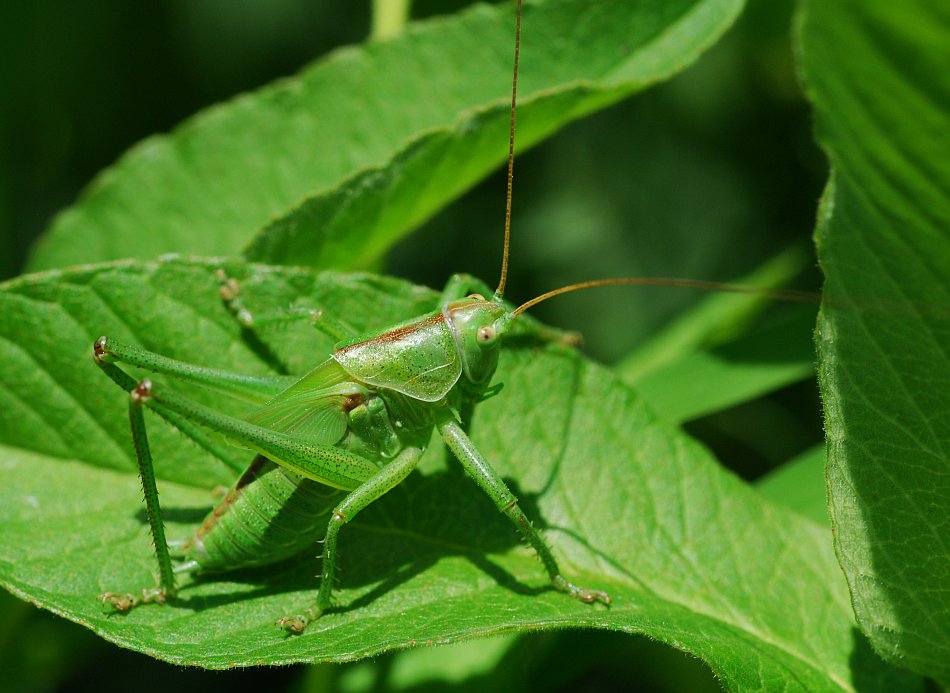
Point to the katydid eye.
(477, 297)
(486, 335)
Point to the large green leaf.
(691, 555)
(767, 359)
(799, 484)
(709, 359)
(403, 125)
(877, 74)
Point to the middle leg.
(373, 488)
(487, 478)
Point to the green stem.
(389, 18)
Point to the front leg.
(492, 484)
(463, 285)
(230, 292)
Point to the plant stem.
(389, 18)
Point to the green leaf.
(716, 319)
(799, 484)
(691, 555)
(407, 124)
(708, 359)
(877, 74)
(453, 665)
(770, 357)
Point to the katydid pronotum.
(340, 437)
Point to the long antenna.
(500, 291)
(780, 294)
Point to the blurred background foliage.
(705, 176)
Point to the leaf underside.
(876, 74)
(690, 554)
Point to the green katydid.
(340, 437)
(358, 423)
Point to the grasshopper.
(337, 439)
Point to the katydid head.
(477, 325)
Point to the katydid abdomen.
(270, 514)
